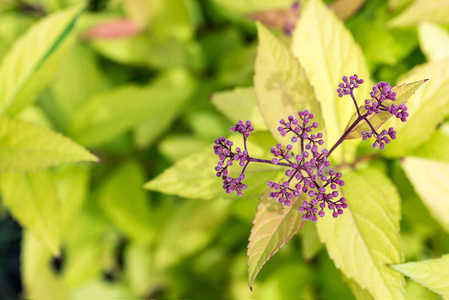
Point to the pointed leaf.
(432, 273)
(434, 41)
(34, 60)
(403, 93)
(274, 225)
(366, 237)
(239, 104)
(133, 216)
(430, 106)
(194, 176)
(327, 51)
(423, 10)
(429, 178)
(281, 85)
(109, 114)
(25, 146)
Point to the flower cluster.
(348, 85)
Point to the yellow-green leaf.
(25, 147)
(366, 237)
(310, 242)
(403, 93)
(133, 216)
(34, 59)
(423, 10)
(327, 51)
(437, 147)
(430, 106)
(239, 104)
(432, 273)
(109, 114)
(273, 226)
(434, 41)
(429, 178)
(281, 85)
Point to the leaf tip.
(251, 288)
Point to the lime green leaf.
(239, 104)
(34, 60)
(12, 25)
(429, 178)
(198, 222)
(280, 83)
(33, 200)
(432, 273)
(176, 147)
(248, 6)
(423, 10)
(310, 242)
(366, 237)
(194, 176)
(40, 282)
(359, 293)
(434, 41)
(26, 146)
(437, 147)
(274, 225)
(403, 93)
(109, 114)
(327, 51)
(429, 107)
(132, 216)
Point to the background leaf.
(273, 226)
(434, 41)
(422, 10)
(437, 147)
(432, 273)
(34, 60)
(429, 178)
(403, 93)
(432, 99)
(363, 240)
(327, 51)
(26, 146)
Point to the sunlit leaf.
(111, 113)
(132, 216)
(437, 147)
(366, 237)
(273, 226)
(280, 84)
(423, 10)
(25, 146)
(432, 273)
(248, 6)
(428, 108)
(194, 176)
(239, 104)
(34, 59)
(429, 178)
(327, 51)
(403, 93)
(434, 41)
(310, 242)
(359, 293)
(197, 223)
(12, 26)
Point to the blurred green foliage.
(133, 83)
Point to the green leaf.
(198, 222)
(403, 93)
(429, 107)
(194, 176)
(429, 178)
(109, 114)
(432, 273)
(33, 200)
(366, 237)
(310, 242)
(12, 25)
(437, 147)
(132, 216)
(327, 51)
(434, 41)
(281, 85)
(247, 6)
(239, 104)
(423, 10)
(35, 58)
(274, 225)
(27, 147)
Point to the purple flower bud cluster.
(223, 148)
(307, 172)
(381, 138)
(348, 85)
